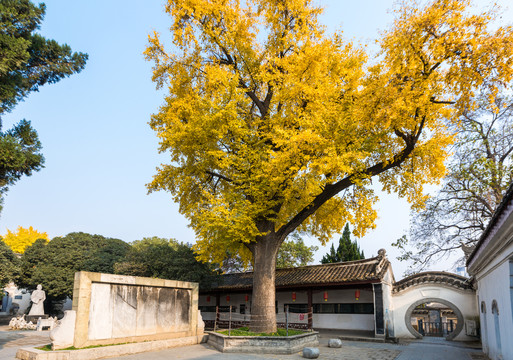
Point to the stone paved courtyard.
(428, 349)
(11, 341)
(417, 350)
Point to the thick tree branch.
(331, 190)
(219, 176)
(444, 102)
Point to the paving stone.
(10, 341)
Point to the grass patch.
(244, 331)
(45, 348)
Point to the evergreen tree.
(54, 264)
(27, 62)
(28, 59)
(331, 257)
(9, 265)
(166, 259)
(347, 250)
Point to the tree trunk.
(263, 313)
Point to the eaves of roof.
(350, 272)
(506, 200)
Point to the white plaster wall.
(208, 315)
(343, 296)
(286, 298)
(68, 304)
(24, 302)
(202, 301)
(344, 321)
(235, 300)
(14, 292)
(464, 300)
(492, 284)
(332, 321)
(320, 321)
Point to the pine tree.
(331, 257)
(347, 250)
(27, 62)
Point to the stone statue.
(38, 297)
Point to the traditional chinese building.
(491, 266)
(361, 296)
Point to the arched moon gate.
(448, 289)
(457, 312)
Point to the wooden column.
(379, 316)
(310, 309)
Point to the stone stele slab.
(114, 309)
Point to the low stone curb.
(108, 351)
(280, 345)
(357, 338)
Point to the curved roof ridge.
(345, 263)
(441, 277)
(450, 274)
(366, 270)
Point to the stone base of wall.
(262, 344)
(108, 351)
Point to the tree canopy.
(166, 259)
(479, 173)
(347, 250)
(18, 241)
(295, 253)
(27, 61)
(275, 126)
(19, 154)
(292, 253)
(53, 265)
(9, 265)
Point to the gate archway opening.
(434, 317)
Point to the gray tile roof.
(367, 270)
(433, 277)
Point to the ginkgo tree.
(23, 237)
(274, 125)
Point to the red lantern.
(357, 294)
(208, 298)
(293, 296)
(246, 297)
(227, 298)
(325, 296)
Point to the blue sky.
(100, 151)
